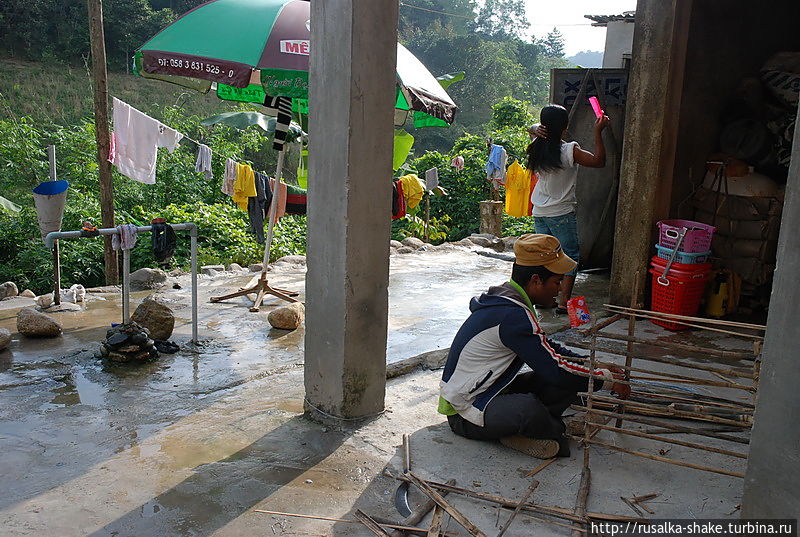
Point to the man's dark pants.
(527, 407)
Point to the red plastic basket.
(683, 293)
(696, 240)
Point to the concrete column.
(772, 483)
(651, 132)
(352, 96)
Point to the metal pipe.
(126, 285)
(56, 274)
(52, 237)
(273, 208)
(51, 157)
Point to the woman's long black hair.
(544, 154)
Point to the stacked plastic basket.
(680, 269)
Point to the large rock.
(148, 278)
(256, 267)
(405, 250)
(35, 324)
(157, 318)
(412, 242)
(287, 317)
(211, 270)
(27, 293)
(292, 259)
(234, 267)
(8, 289)
(509, 243)
(395, 244)
(5, 338)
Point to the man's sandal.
(541, 449)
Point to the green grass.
(62, 94)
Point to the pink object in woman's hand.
(598, 112)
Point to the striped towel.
(281, 109)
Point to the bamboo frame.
(673, 441)
(719, 322)
(668, 409)
(710, 329)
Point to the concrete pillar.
(352, 96)
(772, 483)
(651, 132)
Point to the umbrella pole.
(259, 284)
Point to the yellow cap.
(538, 249)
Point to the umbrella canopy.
(253, 48)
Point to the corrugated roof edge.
(603, 20)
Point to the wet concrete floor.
(191, 444)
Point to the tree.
(502, 19)
(554, 44)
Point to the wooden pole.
(635, 292)
(718, 322)
(602, 324)
(692, 325)
(678, 347)
(673, 441)
(426, 235)
(673, 412)
(100, 88)
(423, 486)
(422, 531)
(51, 157)
(518, 508)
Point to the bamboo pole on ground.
(410, 529)
(676, 347)
(693, 445)
(666, 425)
(673, 316)
(518, 508)
(710, 329)
(441, 502)
(676, 413)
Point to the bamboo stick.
(473, 530)
(371, 525)
(731, 405)
(672, 411)
(704, 398)
(436, 522)
(631, 505)
(673, 361)
(411, 529)
(710, 329)
(420, 512)
(631, 330)
(518, 508)
(645, 497)
(699, 429)
(693, 445)
(665, 459)
(541, 467)
(670, 426)
(719, 322)
(677, 347)
(602, 324)
(559, 512)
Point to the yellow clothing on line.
(413, 189)
(245, 185)
(518, 190)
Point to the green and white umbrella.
(254, 48)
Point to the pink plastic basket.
(697, 239)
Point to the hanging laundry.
(9, 206)
(245, 185)
(125, 238)
(203, 162)
(496, 166)
(281, 109)
(457, 163)
(164, 240)
(518, 190)
(296, 200)
(280, 208)
(398, 201)
(302, 169)
(137, 138)
(229, 178)
(258, 205)
(431, 178)
(413, 189)
(403, 142)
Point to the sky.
(567, 16)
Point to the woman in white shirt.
(556, 164)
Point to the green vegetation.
(45, 98)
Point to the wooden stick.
(710, 329)
(669, 409)
(559, 512)
(631, 330)
(645, 497)
(677, 347)
(436, 522)
(602, 324)
(518, 508)
(643, 506)
(674, 361)
(719, 322)
(371, 525)
(665, 425)
(631, 505)
(673, 441)
(664, 459)
(423, 531)
(583, 490)
(541, 467)
(406, 453)
(699, 429)
(441, 502)
(742, 409)
(420, 512)
(700, 398)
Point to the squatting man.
(484, 393)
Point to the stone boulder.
(8, 289)
(5, 338)
(256, 267)
(148, 278)
(287, 317)
(235, 267)
(156, 317)
(412, 242)
(211, 270)
(509, 243)
(395, 244)
(32, 323)
(27, 293)
(465, 242)
(292, 259)
(405, 250)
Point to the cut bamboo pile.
(658, 396)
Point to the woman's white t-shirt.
(554, 194)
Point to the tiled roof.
(602, 20)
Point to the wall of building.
(619, 43)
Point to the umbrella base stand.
(260, 288)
